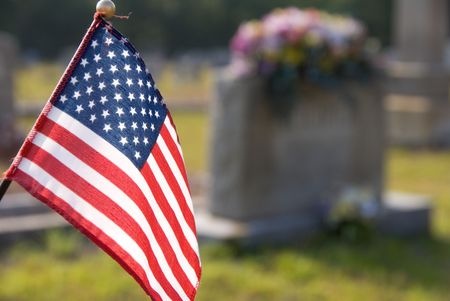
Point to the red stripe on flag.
(105, 205)
(87, 228)
(174, 185)
(173, 148)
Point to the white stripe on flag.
(174, 136)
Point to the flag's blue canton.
(112, 93)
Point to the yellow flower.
(326, 64)
(293, 56)
(271, 57)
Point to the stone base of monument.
(402, 215)
(405, 215)
(260, 231)
(20, 213)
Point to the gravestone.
(280, 173)
(9, 139)
(418, 84)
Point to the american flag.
(105, 155)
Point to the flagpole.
(4, 187)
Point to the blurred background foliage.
(44, 28)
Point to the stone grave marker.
(418, 105)
(274, 172)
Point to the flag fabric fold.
(104, 154)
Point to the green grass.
(328, 269)
(63, 266)
(193, 131)
(36, 83)
(427, 173)
(60, 266)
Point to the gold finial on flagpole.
(106, 8)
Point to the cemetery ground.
(62, 265)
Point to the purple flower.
(275, 39)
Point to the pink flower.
(248, 38)
(288, 25)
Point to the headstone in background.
(418, 84)
(8, 134)
(278, 171)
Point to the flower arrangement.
(290, 44)
(353, 213)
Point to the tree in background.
(46, 27)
